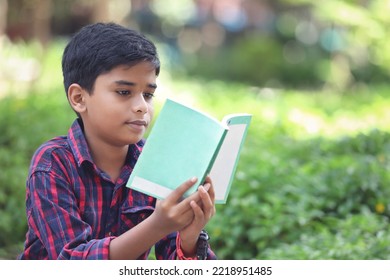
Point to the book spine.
(211, 163)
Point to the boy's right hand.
(174, 213)
(170, 215)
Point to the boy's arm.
(53, 217)
(54, 223)
(186, 240)
(204, 210)
(171, 214)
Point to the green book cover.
(184, 143)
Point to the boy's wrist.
(185, 253)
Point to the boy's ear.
(76, 98)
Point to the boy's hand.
(204, 210)
(174, 213)
(171, 214)
(188, 216)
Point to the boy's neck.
(108, 158)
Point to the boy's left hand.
(204, 210)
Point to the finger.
(211, 189)
(207, 201)
(197, 210)
(186, 217)
(208, 180)
(184, 205)
(211, 192)
(205, 197)
(196, 196)
(178, 193)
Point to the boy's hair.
(100, 47)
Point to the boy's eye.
(123, 92)
(148, 96)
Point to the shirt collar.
(78, 143)
(80, 150)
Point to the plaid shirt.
(73, 208)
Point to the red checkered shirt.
(73, 208)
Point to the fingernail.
(194, 179)
(206, 187)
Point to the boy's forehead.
(148, 66)
(130, 74)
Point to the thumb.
(178, 193)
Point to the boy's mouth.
(138, 123)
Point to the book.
(185, 142)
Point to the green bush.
(25, 123)
(259, 60)
(297, 194)
(308, 202)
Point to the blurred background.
(313, 181)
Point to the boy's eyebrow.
(128, 83)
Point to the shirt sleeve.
(53, 216)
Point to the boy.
(77, 204)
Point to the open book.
(184, 143)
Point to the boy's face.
(120, 108)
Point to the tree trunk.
(101, 11)
(42, 21)
(3, 16)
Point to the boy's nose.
(140, 104)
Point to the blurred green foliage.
(301, 43)
(25, 123)
(300, 194)
(312, 183)
(335, 44)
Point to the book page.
(180, 146)
(223, 170)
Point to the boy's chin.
(135, 140)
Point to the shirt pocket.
(133, 215)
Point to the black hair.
(98, 48)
